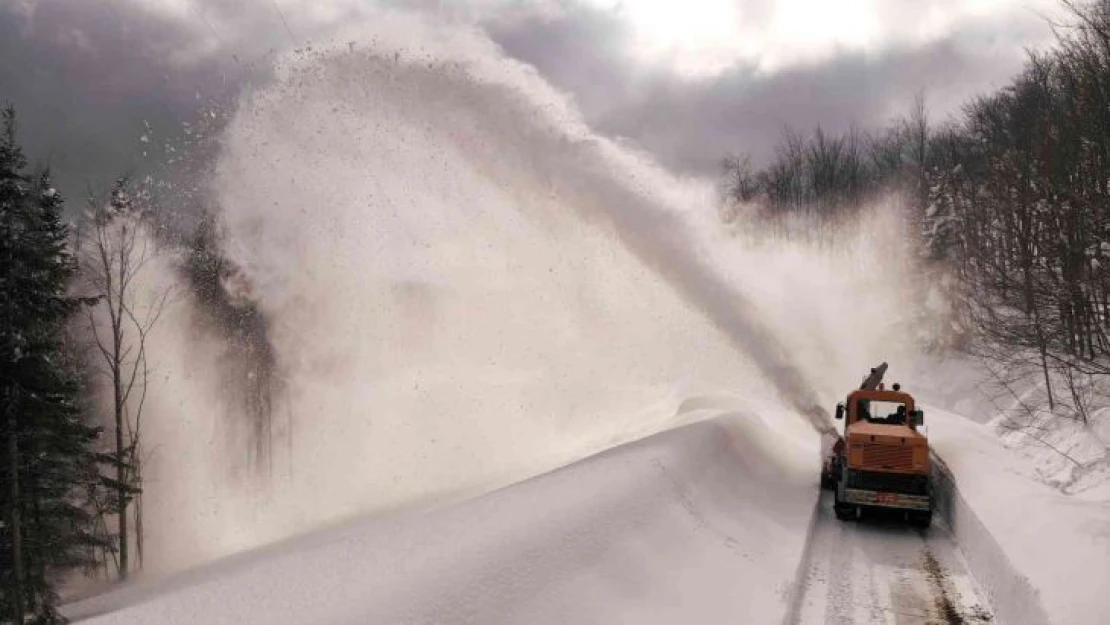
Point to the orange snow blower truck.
(882, 460)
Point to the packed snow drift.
(706, 522)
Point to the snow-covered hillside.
(1063, 451)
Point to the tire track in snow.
(883, 572)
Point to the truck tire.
(843, 511)
(921, 520)
(830, 473)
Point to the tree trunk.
(137, 459)
(1026, 232)
(1047, 380)
(121, 474)
(37, 593)
(16, 522)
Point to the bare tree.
(113, 250)
(916, 129)
(1010, 204)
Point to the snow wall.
(703, 523)
(1012, 596)
(1042, 556)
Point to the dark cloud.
(87, 77)
(690, 123)
(90, 79)
(580, 50)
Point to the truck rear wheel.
(843, 511)
(921, 519)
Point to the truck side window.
(862, 410)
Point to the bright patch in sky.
(692, 37)
(705, 36)
(696, 36)
(803, 27)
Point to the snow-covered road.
(882, 571)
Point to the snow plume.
(250, 371)
(461, 286)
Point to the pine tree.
(49, 465)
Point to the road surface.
(878, 570)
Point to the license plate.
(887, 498)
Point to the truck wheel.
(921, 519)
(843, 511)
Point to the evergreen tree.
(47, 458)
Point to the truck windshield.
(882, 411)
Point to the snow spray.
(462, 286)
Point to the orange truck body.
(880, 462)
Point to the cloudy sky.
(687, 80)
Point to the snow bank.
(1064, 452)
(703, 523)
(1043, 556)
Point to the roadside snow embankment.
(1043, 556)
(1064, 452)
(703, 523)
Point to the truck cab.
(882, 460)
